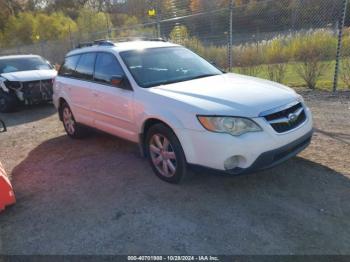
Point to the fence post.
(340, 37)
(109, 36)
(70, 37)
(42, 48)
(230, 37)
(158, 19)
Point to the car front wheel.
(165, 154)
(8, 102)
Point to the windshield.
(161, 66)
(23, 64)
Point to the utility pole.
(340, 38)
(70, 37)
(108, 27)
(158, 18)
(153, 14)
(230, 43)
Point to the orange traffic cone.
(7, 196)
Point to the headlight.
(235, 126)
(13, 84)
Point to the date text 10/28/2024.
(173, 258)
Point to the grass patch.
(293, 79)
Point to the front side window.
(106, 67)
(69, 65)
(161, 66)
(23, 64)
(85, 67)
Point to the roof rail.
(111, 42)
(139, 38)
(104, 42)
(84, 44)
(100, 42)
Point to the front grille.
(287, 119)
(36, 91)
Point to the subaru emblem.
(292, 117)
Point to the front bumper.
(37, 91)
(268, 159)
(32, 92)
(256, 150)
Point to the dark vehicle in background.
(25, 79)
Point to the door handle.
(95, 94)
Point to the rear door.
(76, 79)
(82, 91)
(114, 107)
(66, 84)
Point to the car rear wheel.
(165, 154)
(73, 129)
(8, 102)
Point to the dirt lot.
(98, 196)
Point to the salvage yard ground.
(98, 196)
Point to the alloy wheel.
(68, 120)
(163, 155)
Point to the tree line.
(31, 21)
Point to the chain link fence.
(295, 42)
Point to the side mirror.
(57, 67)
(117, 80)
(121, 82)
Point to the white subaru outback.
(180, 109)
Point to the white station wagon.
(181, 110)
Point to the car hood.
(229, 94)
(26, 76)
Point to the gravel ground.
(98, 196)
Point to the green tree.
(54, 27)
(124, 20)
(8, 8)
(20, 29)
(68, 7)
(90, 22)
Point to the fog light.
(231, 162)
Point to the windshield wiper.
(202, 76)
(179, 80)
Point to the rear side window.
(106, 67)
(85, 67)
(69, 65)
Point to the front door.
(114, 108)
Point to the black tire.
(73, 129)
(174, 149)
(8, 102)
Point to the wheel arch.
(61, 101)
(146, 125)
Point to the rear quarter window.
(69, 66)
